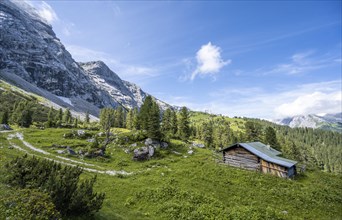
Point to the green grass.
(172, 186)
(236, 124)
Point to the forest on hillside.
(313, 148)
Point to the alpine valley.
(78, 142)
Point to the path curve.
(20, 136)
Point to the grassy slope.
(171, 184)
(236, 124)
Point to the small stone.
(164, 145)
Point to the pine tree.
(144, 113)
(166, 127)
(207, 133)
(75, 123)
(253, 131)
(153, 123)
(130, 119)
(271, 138)
(119, 117)
(4, 117)
(22, 115)
(107, 118)
(174, 123)
(67, 116)
(136, 119)
(50, 122)
(87, 118)
(184, 124)
(59, 118)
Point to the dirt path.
(20, 136)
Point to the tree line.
(149, 119)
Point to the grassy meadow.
(177, 185)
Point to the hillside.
(182, 185)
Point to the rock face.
(125, 93)
(30, 50)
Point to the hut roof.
(265, 152)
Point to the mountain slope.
(31, 56)
(125, 93)
(327, 122)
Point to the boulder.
(150, 142)
(60, 151)
(99, 153)
(150, 151)
(70, 151)
(80, 132)
(190, 152)
(91, 140)
(143, 153)
(134, 145)
(198, 145)
(5, 127)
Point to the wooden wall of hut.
(267, 167)
(239, 157)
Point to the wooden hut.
(259, 157)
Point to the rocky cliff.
(30, 50)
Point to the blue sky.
(238, 58)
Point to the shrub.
(28, 204)
(70, 196)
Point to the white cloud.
(312, 98)
(209, 61)
(301, 63)
(312, 103)
(46, 12)
(38, 8)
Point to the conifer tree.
(174, 123)
(107, 119)
(166, 127)
(153, 123)
(271, 138)
(59, 117)
(130, 119)
(87, 118)
(184, 124)
(119, 117)
(22, 115)
(50, 122)
(136, 119)
(207, 133)
(144, 113)
(76, 123)
(4, 117)
(67, 116)
(253, 131)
